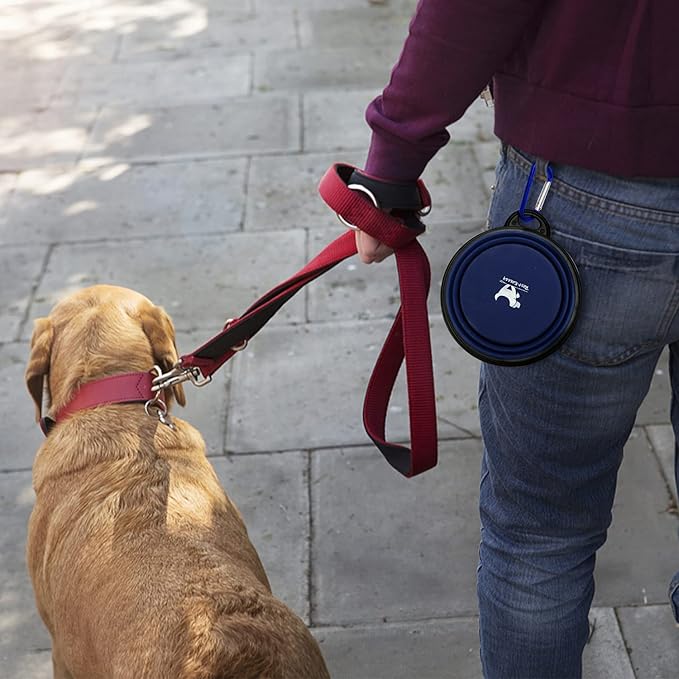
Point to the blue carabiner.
(543, 194)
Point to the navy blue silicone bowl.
(510, 295)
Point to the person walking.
(589, 88)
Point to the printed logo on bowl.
(510, 291)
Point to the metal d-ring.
(157, 402)
(362, 189)
(244, 343)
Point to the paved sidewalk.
(174, 146)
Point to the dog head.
(97, 332)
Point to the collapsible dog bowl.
(510, 295)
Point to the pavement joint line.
(171, 237)
(396, 623)
(211, 155)
(300, 103)
(367, 445)
(668, 483)
(466, 432)
(399, 622)
(307, 300)
(195, 156)
(115, 58)
(116, 241)
(225, 413)
(210, 233)
(246, 191)
(305, 326)
(20, 470)
(88, 134)
(27, 315)
(298, 33)
(311, 592)
(628, 648)
(309, 540)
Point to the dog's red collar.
(125, 388)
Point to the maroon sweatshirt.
(593, 83)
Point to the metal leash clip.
(177, 375)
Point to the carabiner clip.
(539, 204)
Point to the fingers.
(370, 249)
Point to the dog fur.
(141, 565)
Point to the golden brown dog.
(142, 567)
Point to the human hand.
(370, 249)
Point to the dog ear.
(159, 330)
(39, 361)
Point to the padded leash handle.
(408, 338)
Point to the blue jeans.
(554, 431)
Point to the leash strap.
(407, 340)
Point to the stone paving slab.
(336, 68)
(201, 280)
(456, 183)
(389, 548)
(54, 136)
(28, 87)
(640, 556)
(271, 493)
(159, 83)
(367, 25)
(59, 45)
(652, 639)
(475, 126)
(21, 268)
(361, 572)
(283, 192)
(426, 650)
(20, 435)
(448, 648)
(314, 378)
(118, 200)
(214, 30)
(335, 121)
(21, 628)
(198, 130)
(663, 442)
(30, 665)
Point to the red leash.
(407, 340)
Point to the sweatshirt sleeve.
(452, 51)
